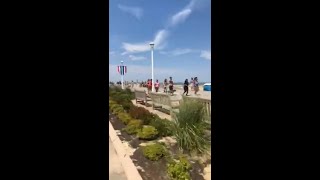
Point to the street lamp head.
(151, 45)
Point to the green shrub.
(162, 125)
(148, 133)
(127, 105)
(117, 110)
(113, 105)
(124, 117)
(133, 126)
(129, 92)
(111, 102)
(179, 170)
(154, 151)
(189, 125)
(141, 113)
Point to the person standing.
(196, 85)
(156, 85)
(171, 86)
(186, 87)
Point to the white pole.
(152, 69)
(122, 85)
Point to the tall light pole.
(152, 45)
(122, 85)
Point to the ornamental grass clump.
(189, 126)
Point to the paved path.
(116, 171)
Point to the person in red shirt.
(156, 85)
(149, 85)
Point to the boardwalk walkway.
(116, 171)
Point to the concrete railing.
(205, 102)
(163, 101)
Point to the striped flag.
(122, 70)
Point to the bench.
(162, 101)
(140, 96)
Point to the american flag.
(122, 70)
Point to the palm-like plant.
(189, 126)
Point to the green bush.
(154, 151)
(129, 92)
(111, 102)
(162, 125)
(179, 170)
(133, 126)
(148, 133)
(117, 110)
(141, 113)
(124, 117)
(113, 105)
(189, 125)
(127, 105)
(119, 95)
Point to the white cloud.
(135, 11)
(134, 48)
(159, 41)
(206, 55)
(180, 16)
(178, 52)
(137, 58)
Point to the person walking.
(196, 85)
(191, 84)
(171, 86)
(186, 87)
(149, 85)
(156, 85)
(165, 86)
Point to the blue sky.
(180, 30)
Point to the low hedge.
(179, 170)
(148, 133)
(124, 117)
(154, 151)
(133, 126)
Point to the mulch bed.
(152, 170)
